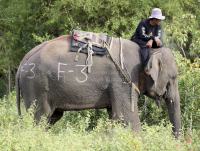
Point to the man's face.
(157, 21)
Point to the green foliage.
(189, 88)
(149, 112)
(2, 87)
(23, 134)
(8, 112)
(185, 32)
(41, 39)
(83, 120)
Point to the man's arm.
(159, 32)
(142, 32)
(158, 36)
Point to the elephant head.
(163, 84)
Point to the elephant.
(49, 75)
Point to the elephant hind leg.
(40, 111)
(55, 117)
(109, 111)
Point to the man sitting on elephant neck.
(148, 35)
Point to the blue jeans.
(144, 50)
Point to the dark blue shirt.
(146, 31)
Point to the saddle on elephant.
(82, 40)
(89, 43)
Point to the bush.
(189, 88)
(23, 134)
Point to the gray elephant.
(49, 74)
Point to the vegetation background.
(25, 24)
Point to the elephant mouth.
(159, 99)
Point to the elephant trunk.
(173, 104)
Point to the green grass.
(22, 134)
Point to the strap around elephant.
(121, 70)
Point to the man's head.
(157, 14)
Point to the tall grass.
(23, 134)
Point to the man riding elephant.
(148, 35)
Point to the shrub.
(23, 134)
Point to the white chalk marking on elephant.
(32, 64)
(82, 71)
(22, 69)
(59, 64)
(31, 70)
(70, 71)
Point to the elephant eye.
(168, 86)
(174, 77)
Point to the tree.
(185, 32)
(18, 22)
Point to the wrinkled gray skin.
(58, 83)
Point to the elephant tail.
(18, 92)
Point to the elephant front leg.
(109, 111)
(122, 107)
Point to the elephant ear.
(154, 65)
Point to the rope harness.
(128, 79)
(89, 60)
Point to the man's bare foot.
(146, 71)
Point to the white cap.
(157, 13)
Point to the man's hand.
(158, 41)
(149, 43)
